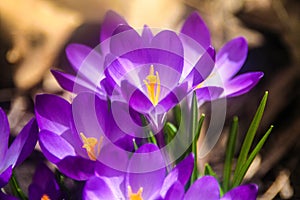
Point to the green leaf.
(152, 138)
(177, 114)
(134, 144)
(209, 171)
(170, 131)
(250, 136)
(15, 187)
(230, 148)
(247, 164)
(194, 128)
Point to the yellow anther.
(92, 146)
(152, 83)
(135, 196)
(45, 197)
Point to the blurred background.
(34, 34)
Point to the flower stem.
(15, 187)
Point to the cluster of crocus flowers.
(123, 90)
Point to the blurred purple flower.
(207, 187)
(145, 179)
(81, 137)
(44, 185)
(222, 82)
(19, 150)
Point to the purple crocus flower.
(207, 187)
(145, 178)
(81, 136)
(19, 150)
(44, 185)
(151, 72)
(229, 60)
(222, 82)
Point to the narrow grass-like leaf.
(170, 131)
(152, 138)
(230, 148)
(177, 114)
(247, 164)
(250, 136)
(199, 127)
(194, 128)
(134, 144)
(15, 187)
(209, 171)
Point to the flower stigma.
(45, 197)
(92, 146)
(152, 83)
(135, 196)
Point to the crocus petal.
(54, 147)
(77, 168)
(101, 188)
(90, 114)
(167, 103)
(204, 188)
(112, 167)
(124, 40)
(195, 28)
(111, 21)
(87, 62)
(5, 176)
(25, 142)
(147, 35)
(137, 100)
(53, 113)
(140, 102)
(75, 84)
(117, 68)
(184, 169)
(95, 120)
(168, 41)
(231, 57)
(4, 134)
(242, 83)
(146, 169)
(7, 197)
(243, 192)
(204, 66)
(83, 56)
(23, 145)
(66, 81)
(181, 172)
(127, 119)
(35, 192)
(209, 93)
(43, 183)
(176, 191)
(108, 85)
